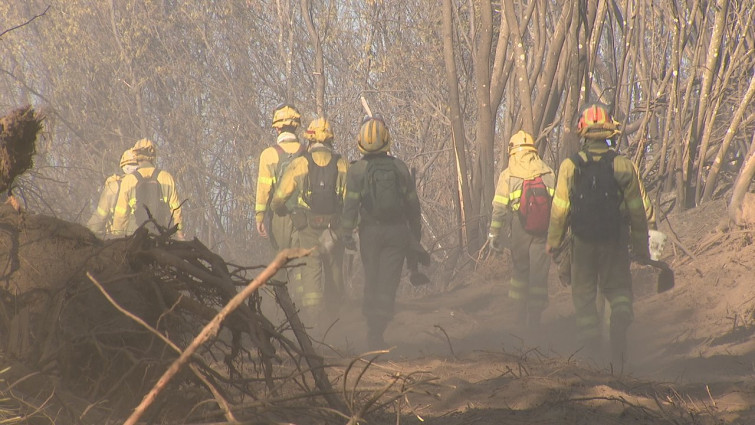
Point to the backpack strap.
(140, 177)
(310, 160)
(280, 150)
(609, 157)
(578, 161)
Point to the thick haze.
(201, 79)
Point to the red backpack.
(535, 206)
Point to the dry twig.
(212, 328)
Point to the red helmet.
(596, 123)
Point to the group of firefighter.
(593, 243)
(117, 211)
(286, 214)
(389, 236)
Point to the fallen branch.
(212, 328)
(219, 397)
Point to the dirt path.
(692, 355)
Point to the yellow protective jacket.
(626, 176)
(123, 221)
(293, 180)
(646, 203)
(524, 165)
(100, 223)
(267, 166)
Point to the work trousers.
(319, 293)
(604, 265)
(529, 279)
(383, 250)
(284, 235)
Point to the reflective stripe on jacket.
(101, 219)
(123, 222)
(522, 166)
(626, 176)
(293, 179)
(266, 177)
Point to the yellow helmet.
(144, 150)
(373, 136)
(596, 123)
(521, 142)
(128, 158)
(319, 131)
(286, 115)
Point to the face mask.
(128, 169)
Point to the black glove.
(348, 242)
(282, 211)
(417, 278)
(494, 243)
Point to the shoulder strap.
(302, 149)
(138, 175)
(576, 158)
(279, 149)
(609, 156)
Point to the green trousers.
(529, 279)
(383, 250)
(604, 265)
(283, 235)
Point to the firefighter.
(317, 181)
(601, 234)
(278, 228)
(381, 200)
(124, 219)
(101, 221)
(528, 173)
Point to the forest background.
(453, 78)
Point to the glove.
(494, 244)
(282, 211)
(348, 242)
(417, 278)
(640, 248)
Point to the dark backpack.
(284, 159)
(595, 199)
(535, 206)
(148, 193)
(320, 186)
(383, 197)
